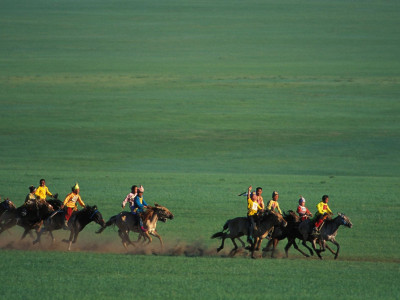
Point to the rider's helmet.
(301, 200)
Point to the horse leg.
(155, 233)
(240, 240)
(268, 247)
(301, 251)
(26, 231)
(233, 251)
(258, 244)
(337, 248)
(253, 247)
(318, 251)
(71, 235)
(123, 238)
(222, 243)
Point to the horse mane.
(290, 216)
(148, 214)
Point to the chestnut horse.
(127, 222)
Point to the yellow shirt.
(323, 208)
(272, 205)
(252, 207)
(42, 191)
(71, 199)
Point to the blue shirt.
(138, 204)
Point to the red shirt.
(303, 212)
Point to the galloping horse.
(328, 233)
(29, 215)
(127, 222)
(238, 227)
(291, 232)
(76, 223)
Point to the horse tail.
(221, 233)
(110, 222)
(226, 225)
(217, 235)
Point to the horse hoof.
(219, 249)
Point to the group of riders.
(37, 196)
(256, 207)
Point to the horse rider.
(259, 198)
(138, 207)
(252, 209)
(273, 203)
(70, 203)
(302, 210)
(323, 212)
(31, 197)
(130, 198)
(42, 191)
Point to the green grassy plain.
(197, 100)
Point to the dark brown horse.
(291, 232)
(238, 227)
(29, 215)
(328, 233)
(77, 222)
(126, 222)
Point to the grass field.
(196, 100)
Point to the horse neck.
(332, 226)
(152, 220)
(267, 223)
(83, 217)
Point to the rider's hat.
(76, 187)
(274, 193)
(32, 188)
(301, 200)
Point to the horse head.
(291, 216)
(345, 220)
(163, 213)
(95, 215)
(7, 204)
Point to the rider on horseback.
(70, 203)
(42, 191)
(138, 207)
(323, 212)
(252, 208)
(302, 210)
(130, 198)
(31, 197)
(273, 203)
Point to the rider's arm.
(278, 208)
(81, 202)
(48, 192)
(248, 192)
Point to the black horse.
(29, 215)
(76, 223)
(291, 232)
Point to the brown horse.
(291, 232)
(238, 227)
(29, 215)
(126, 222)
